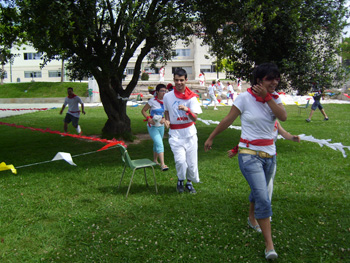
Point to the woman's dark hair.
(264, 70)
(160, 86)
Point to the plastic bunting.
(4, 166)
(335, 146)
(39, 109)
(60, 155)
(65, 134)
(64, 156)
(346, 95)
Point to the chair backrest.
(125, 155)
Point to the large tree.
(300, 36)
(10, 34)
(99, 37)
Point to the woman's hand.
(167, 124)
(259, 90)
(151, 121)
(207, 145)
(231, 154)
(295, 138)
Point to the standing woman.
(155, 124)
(258, 108)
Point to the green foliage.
(345, 48)
(300, 37)
(42, 89)
(10, 31)
(144, 76)
(100, 37)
(55, 212)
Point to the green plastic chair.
(304, 107)
(134, 165)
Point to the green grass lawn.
(42, 89)
(54, 212)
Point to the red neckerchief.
(185, 96)
(72, 96)
(260, 99)
(160, 101)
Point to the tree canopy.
(301, 37)
(10, 34)
(99, 37)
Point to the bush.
(144, 76)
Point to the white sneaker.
(215, 108)
(271, 254)
(78, 129)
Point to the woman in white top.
(258, 108)
(155, 124)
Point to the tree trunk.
(118, 124)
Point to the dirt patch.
(142, 137)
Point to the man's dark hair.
(264, 70)
(70, 88)
(180, 72)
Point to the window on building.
(152, 70)
(4, 74)
(130, 71)
(54, 73)
(188, 69)
(208, 68)
(182, 52)
(32, 74)
(32, 56)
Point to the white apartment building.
(193, 58)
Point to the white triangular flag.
(64, 156)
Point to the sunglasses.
(269, 78)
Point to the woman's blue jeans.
(258, 172)
(157, 134)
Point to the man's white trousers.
(186, 157)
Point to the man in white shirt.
(161, 74)
(230, 92)
(73, 113)
(181, 108)
(212, 94)
(219, 88)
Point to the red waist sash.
(180, 126)
(258, 142)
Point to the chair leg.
(133, 172)
(144, 170)
(122, 176)
(155, 182)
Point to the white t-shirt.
(211, 89)
(156, 110)
(257, 121)
(171, 104)
(73, 105)
(230, 89)
(220, 87)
